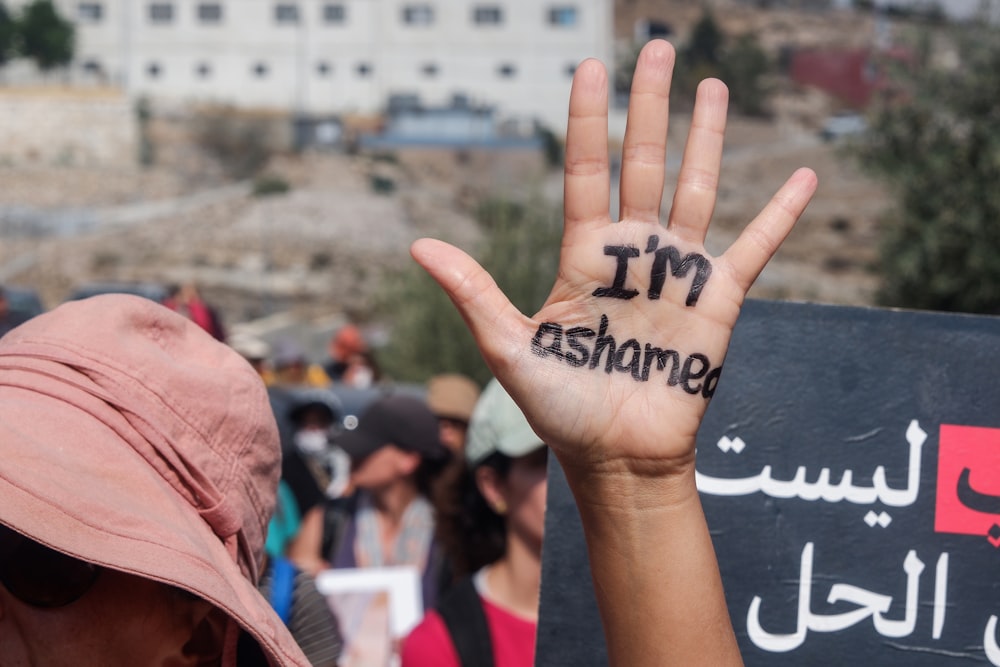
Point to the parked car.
(841, 125)
(153, 291)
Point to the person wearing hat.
(138, 465)
(314, 417)
(590, 370)
(396, 456)
(490, 519)
(452, 398)
(311, 465)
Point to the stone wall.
(67, 127)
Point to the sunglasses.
(39, 576)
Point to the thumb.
(493, 320)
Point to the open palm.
(616, 370)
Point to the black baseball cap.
(397, 419)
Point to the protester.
(313, 467)
(396, 456)
(362, 371)
(138, 467)
(315, 418)
(593, 371)
(490, 521)
(344, 345)
(186, 300)
(451, 398)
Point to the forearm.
(655, 573)
(305, 550)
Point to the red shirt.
(430, 645)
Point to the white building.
(347, 56)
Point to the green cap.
(497, 425)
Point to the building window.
(154, 71)
(261, 70)
(563, 16)
(203, 70)
(161, 12)
(507, 70)
(323, 69)
(418, 15)
(430, 70)
(334, 13)
(210, 12)
(286, 12)
(364, 70)
(90, 12)
(487, 15)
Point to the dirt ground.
(323, 245)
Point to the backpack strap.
(337, 513)
(282, 583)
(463, 615)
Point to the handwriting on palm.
(616, 369)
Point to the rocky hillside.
(322, 247)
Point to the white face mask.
(311, 441)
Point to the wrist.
(633, 485)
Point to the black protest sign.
(848, 465)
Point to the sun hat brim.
(132, 439)
(79, 505)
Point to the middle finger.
(645, 147)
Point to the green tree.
(744, 69)
(624, 69)
(520, 250)
(742, 64)
(8, 35)
(241, 142)
(706, 43)
(700, 58)
(936, 142)
(46, 37)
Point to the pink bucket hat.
(131, 439)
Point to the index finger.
(586, 189)
(644, 152)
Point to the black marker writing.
(617, 290)
(664, 259)
(661, 357)
(580, 354)
(679, 268)
(694, 375)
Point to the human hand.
(616, 370)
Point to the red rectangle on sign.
(968, 482)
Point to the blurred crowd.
(439, 477)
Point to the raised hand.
(617, 368)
